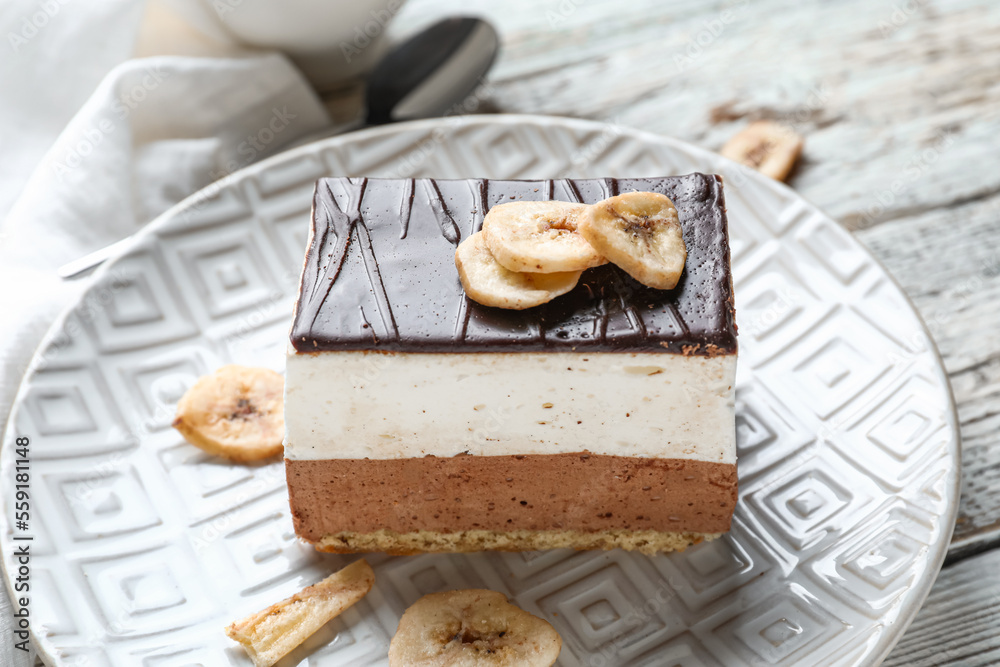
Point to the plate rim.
(915, 598)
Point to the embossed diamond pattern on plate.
(847, 440)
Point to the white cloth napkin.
(95, 143)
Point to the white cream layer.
(396, 405)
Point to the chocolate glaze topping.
(380, 273)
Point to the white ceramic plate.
(145, 548)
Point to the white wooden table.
(899, 102)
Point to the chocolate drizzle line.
(448, 227)
(331, 236)
(611, 187)
(382, 251)
(405, 208)
(478, 188)
(573, 191)
(375, 281)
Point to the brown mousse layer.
(580, 492)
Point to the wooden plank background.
(899, 101)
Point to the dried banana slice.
(641, 233)
(236, 412)
(538, 237)
(274, 632)
(768, 147)
(472, 627)
(487, 282)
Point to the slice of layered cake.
(419, 419)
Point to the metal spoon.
(431, 74)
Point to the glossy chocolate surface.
(380, 273)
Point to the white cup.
(333, 42)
